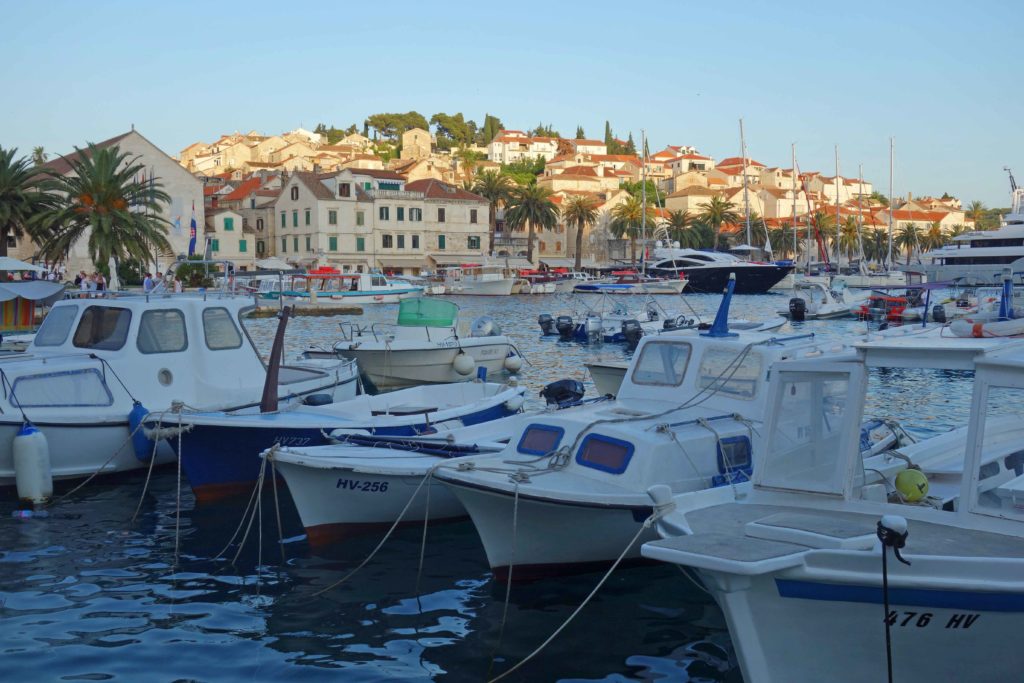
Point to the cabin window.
(162, 332)
(805, 443)
(74, 388)
(378, 281)
(540, 439)
(661, 363)
(103, 328)
(604, 453)
(999, 483)
(734, 460)
(735, 373)
(56, 326)
(220, 330)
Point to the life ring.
(1002, 328)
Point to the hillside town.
(410, 200)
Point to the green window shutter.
(360, 244)
(295, 218)
(309, 246)
(440, 241)
(359, 218)
(295, 244)
(242, 248)
(215, 245)
(400, 213)
(332, 217)
(260, 247)
(284, 245)
(284, 220)
(229, 223)
(367, 185)
(332, 243)
(308, 212)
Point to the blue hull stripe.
(917, 597)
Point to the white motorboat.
(425, 346)
(814, 301)
(220, 453)
(476, 279)
(329, 286)
(566, 283)
(857, 561)
(97, 361)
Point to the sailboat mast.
(793, 220)
(643, 201)
(838, 234)
(860, 218)
(746, 201)
(888, 261)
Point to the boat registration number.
(957, 620)
(357, 485)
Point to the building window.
(344, 190)
(295, 192)
(309, 246)
(295, 244)
(473, 242)
(384, 211)
(332, 243)
(558, 246)
(400, 213)
(242, 247)
(401, 241)
(440, 215)
(415, 241)
(360, 244)
(284, 220)
(229, 223)
(472, 215)
(259, 225)
(332, 217)
(308, 216)
(367, 185)
(415, 214)
(284, 245)
(252, 202)
(387, 241)
(261, 247)
(215, 245)
(12, 241)
(359, 218)
(440, 242)
(295, 218)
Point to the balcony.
(393, 194)
(502, 240)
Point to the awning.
(8, 263)
(273, 263)
(43, 291)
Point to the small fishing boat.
(631, 282)
(814, 301)
(566, 282)
(425, 346)
(220, 453)
(328, 285)
(876, 575)
(477, 279)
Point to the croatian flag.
(192, 231)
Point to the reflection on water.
(90, 596)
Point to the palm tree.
(22, 203)
(716, 212)
(933, 238)
(627, 218)
(531, 206)
(496, 189)
(467, 161)
(956, 230)
(101, 200)
(876, 245)
(907, 237)
(849, 238)
(38, 156)
(580, 211)
(976, 212)
(679, 226)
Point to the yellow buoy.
(912, 485)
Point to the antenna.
(1013, 183)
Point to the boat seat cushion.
(407, 409)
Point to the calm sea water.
(87, 595)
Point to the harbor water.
(88, 594)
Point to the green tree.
(492, 126)
(679, 226)
(531, 206)
(849, 242)
(545, 131)
(452, 130)
(717, 212)
(391, 126)
(908, 237)
(496, 188)
(524, 171)
(933, 238)
(630, 147)
(38, 156)
(468, 159)
(630, 220)
(101, 199)
(609, 139)
(580, 135)
(880, 198)
(580, 211)
(22, 202)
(976, 212)
(635, 188)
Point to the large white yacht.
(980, 257)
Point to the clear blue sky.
(943, 78)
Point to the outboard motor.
(484, 326)
(632, 332)
(563, 393)
(939, 313)
(797, 309)
(652, 313)
(564, 327)
(594, 329)
(547, 324)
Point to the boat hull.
(399, 369)
(750, 279)
(502, 287)
(549, 538)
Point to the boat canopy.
(420, 312)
